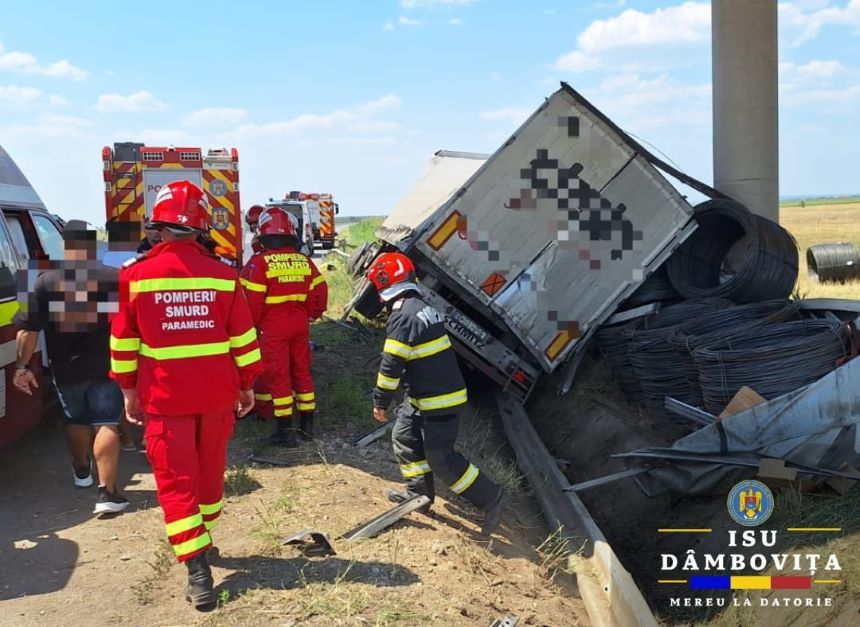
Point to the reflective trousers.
(287, 384)
(188, 455)
(424, 446)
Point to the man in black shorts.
(71, 303)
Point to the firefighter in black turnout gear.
(419, 354)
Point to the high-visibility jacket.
(284, 289)
(419, 354)
(183, 334)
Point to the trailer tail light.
(520, 377)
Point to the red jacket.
(284, 289)
(183, 334)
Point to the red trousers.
(287, 359)
(188, 456)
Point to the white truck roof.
(443, 175)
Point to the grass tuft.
(238, 481)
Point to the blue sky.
(354, 97)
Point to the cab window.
(8, 266)
(50, 236)
(16, 229)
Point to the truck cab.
(28, 233)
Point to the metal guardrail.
(608, 591)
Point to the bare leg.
(79, 438)
(106, 452)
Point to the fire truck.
(29, 236)
(322, 209)
(134, 173)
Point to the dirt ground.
(62, 566)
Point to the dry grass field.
(819, 223)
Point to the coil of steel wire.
(658, 369)
(837, 261)
(722, 324)
(613, 345)
(656, 288)
(734, 254)
(771, 359)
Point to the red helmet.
(274, 221)
(253, 214)
(392, 274)
(181, 205)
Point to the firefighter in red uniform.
(185, 353)
(285, 290)
(252, 218)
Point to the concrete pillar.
(745, 83)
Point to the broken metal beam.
(632, 314)
(616, 476)
(682, 409)
(374, 434)
(386, 519)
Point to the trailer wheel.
(360, 259)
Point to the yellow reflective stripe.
(184, 524)
(442, 401)
(286, 411)
(393, 347)
(195, 544)
(214, 508)
(306, 406)
(248, 358)
(283, 400)
(466, 480)
(124, 343)
(210, 524)
(317, 281)
(387, 383)
(254, 287)
(430, 348)
(123, 366)
(415, 469)
(305, 396)
(263, 397)
(187, 350)
(183, 283)
(274, 300)
(238, 341)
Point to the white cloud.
(50, 126)
(339, 119)
(631, 92)
(162, 137)
(18, 96)
(432, 4)
(388, 26)
(405, 21)
(515, 115)
(136, 102)
(59, 101)
(688, 23)
(215, 116)
(807, 19)
(27, 63)
(618, 4)
(455, 21)
(820, 69)
(836, 95)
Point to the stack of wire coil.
(771, 359)
(715, 326)
(659, 371)
(613, 345)
(704, 265)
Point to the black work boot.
(284, 435)
(200, 591)
(493, 514)
(401, 496)
(306, 426)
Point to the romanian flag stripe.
(709, 582)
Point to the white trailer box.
(550, 233)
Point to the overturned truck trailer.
(529, 250)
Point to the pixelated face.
(79, 245)
(123, 235)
